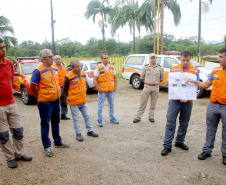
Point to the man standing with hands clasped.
(216, 109)
(151, 75)
(105, 81)
(75, 88)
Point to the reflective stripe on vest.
(62, 72)
(218, 92)
(48, 86)
(77, 89)
(106, 79)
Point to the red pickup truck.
(23, 69)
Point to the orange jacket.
(218, 92)
(191, 69)
(106, 80)
(62, 72)
(77, 89)
(48, 86)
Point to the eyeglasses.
(1, 48)
(49, 56)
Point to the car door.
(17, 78)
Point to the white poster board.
(178, 89)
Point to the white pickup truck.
(134, 64)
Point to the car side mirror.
(16, 74)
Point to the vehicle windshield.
(193, 62)
(93, 65)
(29, 67)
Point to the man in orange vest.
(62, 72)
(75, 88)
(216, 109)
(184, 107)
(105, 81)
(45, 88)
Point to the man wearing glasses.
(45, 88)
(151, 75)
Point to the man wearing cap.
(151, 75)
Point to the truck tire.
(136, 82)
(200, 92)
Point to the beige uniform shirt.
(152, 75)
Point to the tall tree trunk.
(134, 37)
(103, 34)
(199, 31)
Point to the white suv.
(134, 64)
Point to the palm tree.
(128, 11)
(99, 7)
(149, 6)
(205, 7)
(5, 27)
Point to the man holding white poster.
(182, 105)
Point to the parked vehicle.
(88, 67)
(134, 64)
(23, 69)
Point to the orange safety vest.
(48, 86)
(62, 72)
(106, 79)
(218, 92)
(77, 89)
(191, 69)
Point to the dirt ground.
(127, 153)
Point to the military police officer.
(151, 75)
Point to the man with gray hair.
(75, 88)
(45, 88)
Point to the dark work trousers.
(63, 104)
(50, 111)
(215, 112)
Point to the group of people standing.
(152, 75)
(53, 86)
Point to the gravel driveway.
(127, 153)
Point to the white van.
(134, 64)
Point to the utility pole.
(158, 30)
(162, 24)
(52, 25)
(199, 31)
(154, 23)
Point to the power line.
(68, 12)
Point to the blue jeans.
(50, 111)
(101, 99)
(215, 112)
(175, 106)
(75, 116)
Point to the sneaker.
(64, 117)
(62, 145)
(114, 121)
(165, 151)
(24, 158)
(79, 137)
(136, 120)
(100, 124)
(203, 156)
(12, 163)
(152, 120)
(182, 146)
(48, 152)
(91, 133)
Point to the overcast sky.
(31, 21)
